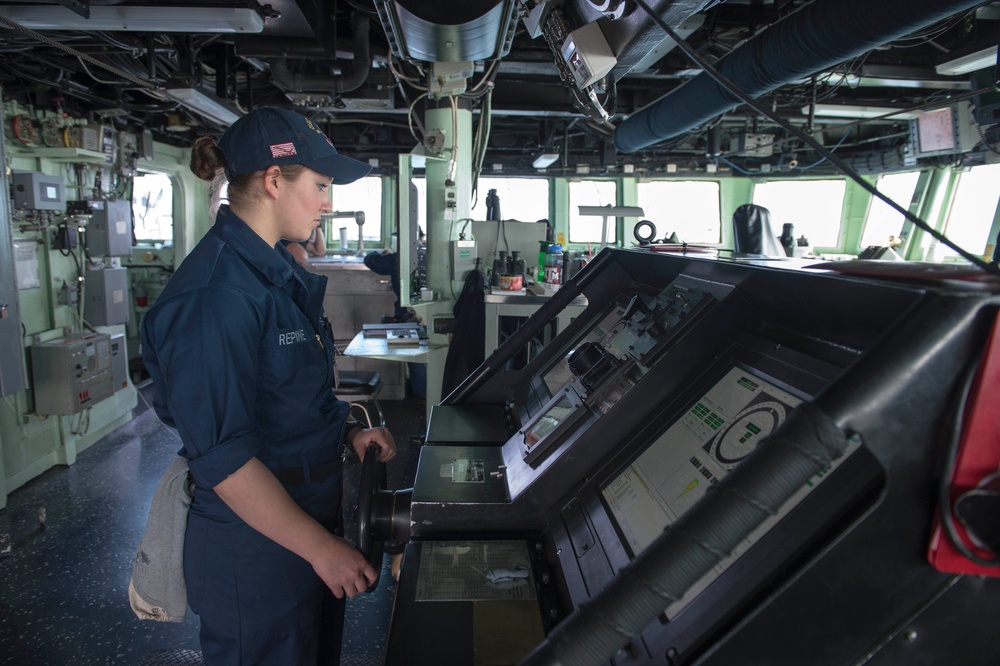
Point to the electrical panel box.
(106, 296)
(463, 258)
(109, 232)
(72, 373)
(753, 145)
(128, 154)
(588, 55)
(119, 362)
(38, 191)
(100, 139)
(450, 78)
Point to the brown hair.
(207, 160)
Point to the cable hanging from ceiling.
(812, 142)
(77, 54)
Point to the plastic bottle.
(553, 264)
(542, 247)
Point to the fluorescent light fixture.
(852, 111)
(200, 103)
(545, 160)
(158, 19)
(970, 62)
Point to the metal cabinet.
(505, 313)
(356, 296)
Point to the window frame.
(334, 224)
(875, 202)
(139, 239)
(778, 223)
(665, 231)
(482, 189)
(945, 253)
(572, 215)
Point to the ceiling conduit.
(350, 80)
(822, 34)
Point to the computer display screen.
(714, 435)
(935, 132)
(698, 450)
(50, 192)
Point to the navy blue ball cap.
(270, 136)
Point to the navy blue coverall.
(242, 362)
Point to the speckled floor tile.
(64, 588)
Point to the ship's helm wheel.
(382, 515)
(373, 482)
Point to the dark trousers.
(261, 604)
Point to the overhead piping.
(448, 32)
(822, 34)
(350, 80)
(811, 141)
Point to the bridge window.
(153, 208)
(972, 211)
(689, 208)
(365, 195)
(522, 199)
(882, 220)
(587, 229)
(815, 207)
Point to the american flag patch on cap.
(283, 149)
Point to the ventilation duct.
(446, 31)
(822, 34)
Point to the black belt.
(296, 476)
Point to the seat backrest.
(752, 232)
